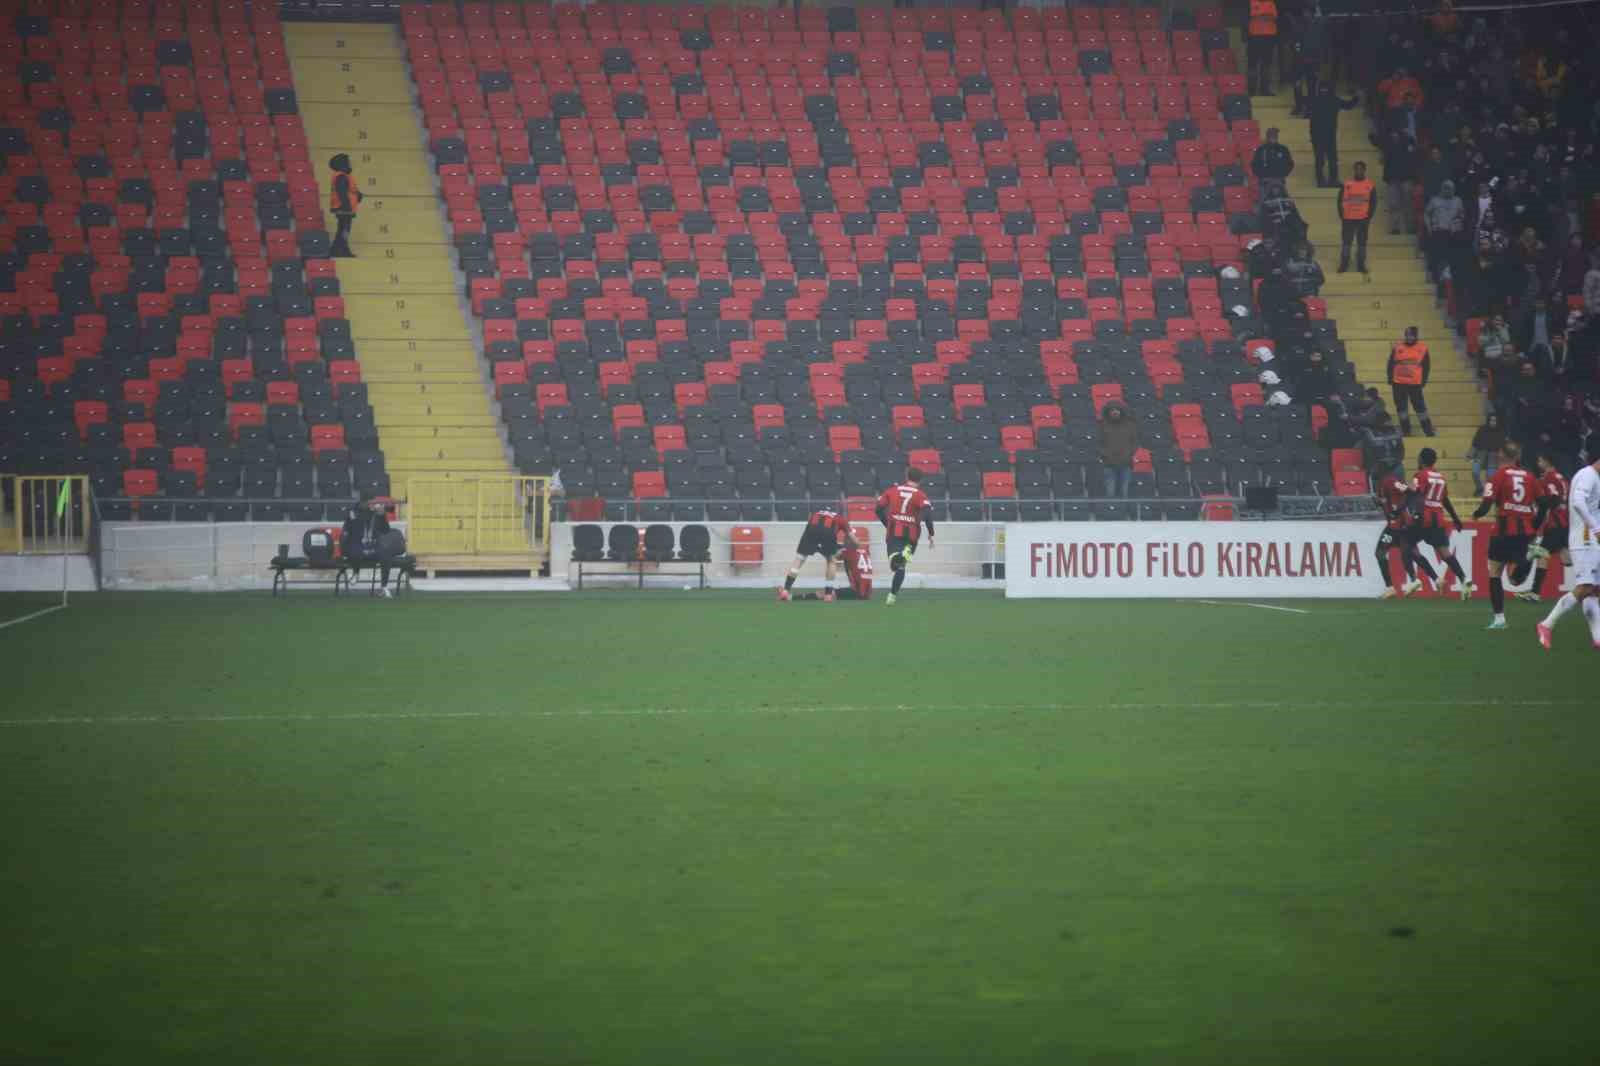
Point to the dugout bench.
(624, 551)
(320, 565)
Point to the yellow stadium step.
(1373, 310)
(434, 412)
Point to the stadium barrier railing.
(39, 520)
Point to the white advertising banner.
(1267, 560)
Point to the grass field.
(693, 828)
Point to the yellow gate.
(33, 526)
(478, 516)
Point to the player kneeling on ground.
(904, 509)
(1583, 509)
(825, 531)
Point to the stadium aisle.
(402, 292)
(1373, 311)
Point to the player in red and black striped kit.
(904, 509)
(1515, 493)
(824, 534)
(1554, 525)
(1394, 497)
(1433, 493)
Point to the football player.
(904, 509)
(1583, 505)
(1514, 493)
(826, 530)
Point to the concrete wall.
(194, 555)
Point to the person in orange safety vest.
(1408, 373)
(1261, 43)
(1358, 202)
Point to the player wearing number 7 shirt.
(1433, 491)
(1515, 493)
(1583, 510)
(904, 509)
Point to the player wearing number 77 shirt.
(1434, 492)
(1515, 493)
(1583, 510)
(904, 509)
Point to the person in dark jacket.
(1325, 108)
(344, 199)
(1486, 445)
(363, 539)
(1383, 447)
(1119, 438)
(1272, 161)
(1314, 382)
(1399, 171)
(1303, 271)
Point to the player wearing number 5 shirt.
(1514, 493)
(1583, 542)
(904, 509)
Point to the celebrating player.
(1434, 492)
(824, 532)
(1395, 499)
(1514, 492)
(1583, 506)
(1553, 525)
(904, 509)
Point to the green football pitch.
(704, 828)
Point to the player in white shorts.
(1583, 509)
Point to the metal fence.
(1210, 508)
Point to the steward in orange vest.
(1408, 373)
(1358, 199)
(344, 200)
(1261, 42)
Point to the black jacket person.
(344, 200)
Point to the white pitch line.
(658, 712)
(31, 617)
(1262, 606)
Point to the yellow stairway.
(435, 417)
(1373, 311)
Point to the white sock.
(1500, 617)
(1591, 611)
(1566, 603)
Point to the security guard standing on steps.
(344, 200)
(1358, 202)
(1408, 373)
(1261, 45)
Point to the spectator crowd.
(1487, 128)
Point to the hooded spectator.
(1486, 445)
(1119, 437)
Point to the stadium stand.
(730, 262)
(1520, 237)
(169, 321)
